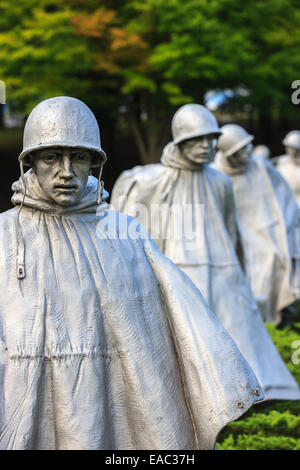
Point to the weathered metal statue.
(262, 150)
(289, 164)
(104, 343)
(268, 221)
(185, 180)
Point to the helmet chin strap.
(100, 186)
(21, 247)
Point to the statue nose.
(205, 143)
(67, 170)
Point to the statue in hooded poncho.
(185, 179)
(104, 343)
(289, 164)
(268, 221)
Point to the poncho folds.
(105, 344)
(291, 172)
(269, 226)
(213, 265)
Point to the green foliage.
(149, 55)
(284, 340)
(270, 425)
(259, 442)
(173, 49)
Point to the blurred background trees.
(135, 62)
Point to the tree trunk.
(152, 133)
(265, 127)
(1, 116)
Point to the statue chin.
(65, 199)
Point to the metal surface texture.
(105, 343)
(193, 120)
(61, 122)
(269, 222)
(289, 167)
(212, 264)
(289, 164)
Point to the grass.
(271, 425)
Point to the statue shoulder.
(144, 171)
(9, 216)
(138, 177)
(282, 160)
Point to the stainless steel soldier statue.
(268, 220)
(185, 180)
(104, 342)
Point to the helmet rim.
(27, 151)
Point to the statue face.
(293, 153)
(62, 173)
(240, 157)
(200, 149)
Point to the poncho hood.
(37, 199)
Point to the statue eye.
(80, 157)
(50, 157)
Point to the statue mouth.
(66, 187)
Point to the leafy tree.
(140, 59)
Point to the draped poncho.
(269, 226)
(106, 344)
(212, 264)
(291, 172)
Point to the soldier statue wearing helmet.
(236, 145)
(184, 180)
(89, 327)
(289, 164)
(268, 222)
(195, 132)
(48, 134)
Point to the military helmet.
(62, 122)
(262, 150)
(292, 139)
(193, 120)
(233, 139)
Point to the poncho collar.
(36, 198)
(172, 157)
